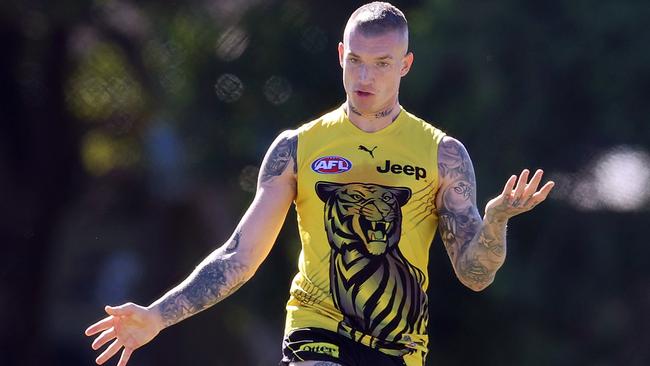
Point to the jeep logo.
(406, 169)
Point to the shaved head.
(375, 19)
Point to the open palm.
(130, 326)
(523, 197)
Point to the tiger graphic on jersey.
(376, 289)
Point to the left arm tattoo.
(476, 247)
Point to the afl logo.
(331, 165)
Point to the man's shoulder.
(424, 126)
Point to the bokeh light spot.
(622, 179)
(617, 180)
(232, 44)
(248, 178)
(102, 85)
(101, 153)
(277, 90)
(229, 88)
(163, 55)
(314, 40)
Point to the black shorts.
(315, 344)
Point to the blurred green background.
(132, 131)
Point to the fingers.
(540, 196)
(531, 188)
(109, 352)
(108, 326)
(510, 184)
(525, 195)
(521, 187)
(104, 338)
(124, 358)
(543, 193)
(125, 309)
(100, 326)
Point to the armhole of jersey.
(299, 158)
(438, 135)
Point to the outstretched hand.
(515, 200)
(130, 325)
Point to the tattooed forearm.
(284, 152)
(477, 249)
(484, 255)
(214, 279)
(473, 269)
(458, 229)
(493, 238)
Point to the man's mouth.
(362, 93)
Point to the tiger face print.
(376, 289)
(365, 215)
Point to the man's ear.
(341, 51)
(407, 61)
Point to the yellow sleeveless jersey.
(366, 217)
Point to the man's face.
(372, 68)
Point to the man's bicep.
(456, 198)
(279, 163)
(276, 190)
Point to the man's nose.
(365, 73)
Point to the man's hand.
(131, 325)
(515, 200)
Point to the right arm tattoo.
(234, 243)
(218, 276)
(279, 156)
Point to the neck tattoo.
(354, 110)
(381, 114)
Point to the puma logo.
(363, 148)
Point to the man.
(370, 183)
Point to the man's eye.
(383, 64)
(353, 60)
